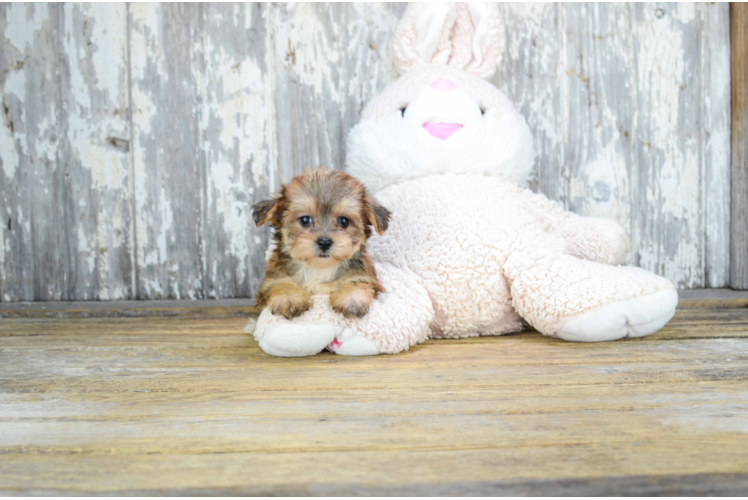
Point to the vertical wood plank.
(15, 241)
(739, 203)
(598, 63)
(237, 141)
(65, 206)
(95, 150)
(530, 73)
(668, 224)
(165, 55)
(714, 59)
(35, 251)
(330, 59)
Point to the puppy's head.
(323, 216)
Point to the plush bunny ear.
(468, 36)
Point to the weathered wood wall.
(739, 198)
(134, 138)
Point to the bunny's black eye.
(482, 111)
(305, 221)
(402, 110)
(343, 222)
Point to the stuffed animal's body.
(469, 251)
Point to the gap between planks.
(719, 298)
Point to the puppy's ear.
(376, 214)
(268, 211)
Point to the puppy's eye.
(482, 111)
(305, 221)
(402, 110)
(343, 222)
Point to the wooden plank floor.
(190, 405)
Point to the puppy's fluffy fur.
(321, 222)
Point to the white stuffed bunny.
(469, 251)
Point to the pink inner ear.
(443, 84)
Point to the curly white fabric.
(468, 37)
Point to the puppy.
(321, 222)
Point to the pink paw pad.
(335, 344)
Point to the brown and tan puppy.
(321, 220)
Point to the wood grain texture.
(329, 59)
(644, 485)
(95, 151)
(715, 298)
(237, 128)
(134, 138)
(64, 146)
(629, 108)
(35, 255)
(132, 308)
(739, 200)
(192, 406)
(165, 55)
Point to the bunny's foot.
(583, 301)
(278, 336)
(635, 317)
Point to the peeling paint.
(21, 17)
(94, 77)
(3, 239)
(236, 126)
(94, 93)
(15, 89)
(615, 94)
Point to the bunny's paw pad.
(635, 317)
(352, 343)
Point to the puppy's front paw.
(352, 302)
(353, 310)
(289, 305)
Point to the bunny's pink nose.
(443, 84)
(441, 130)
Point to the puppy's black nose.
(324, 244)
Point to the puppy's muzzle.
(324, 244)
